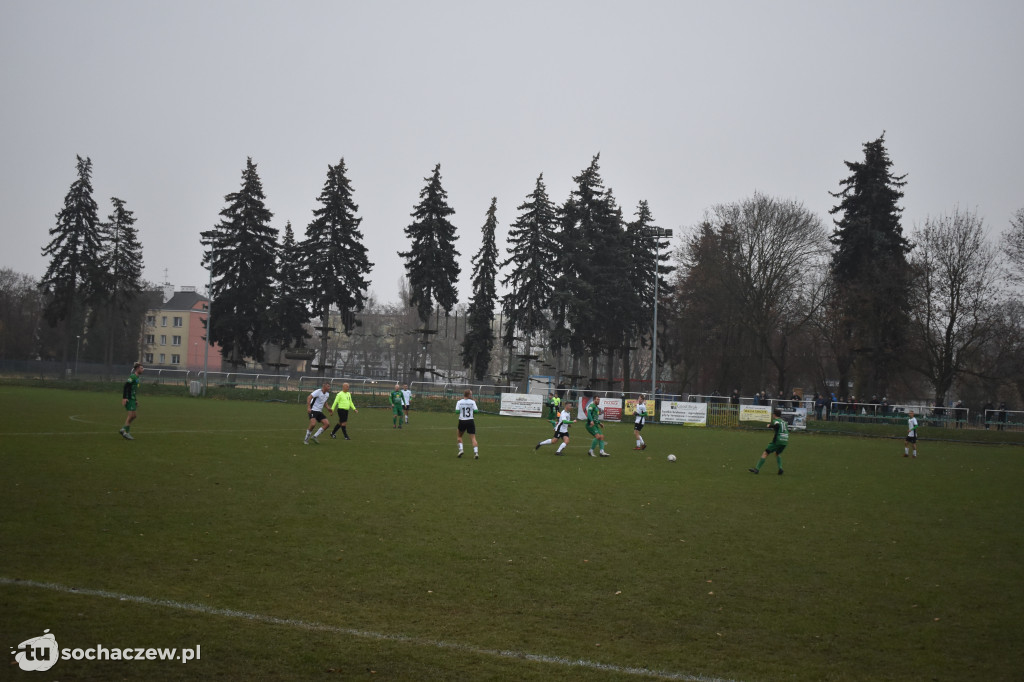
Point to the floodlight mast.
(657, 233)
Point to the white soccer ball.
(671, 458)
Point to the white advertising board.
(688, 414)
(521, 405)
(756, 413)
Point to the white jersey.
(406, 397)
(319, 400)
(912, 427)
(640, 414)
(466, 407)
(564, 419)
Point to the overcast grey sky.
(689, 104)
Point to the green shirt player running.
(397, 401)
(594, 427)
(130, 399)
(778, 444)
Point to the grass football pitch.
(387, 558)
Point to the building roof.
(184, 300)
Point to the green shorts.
(777, 448)
(131, 405)
(594, 431)
(397, 409)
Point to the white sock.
(460, 447)
(318, 432)
(560, 447)
(306, 439)
(638, 441)
(476, 450)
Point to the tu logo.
(38, 653)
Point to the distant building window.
(148, 357)
(175, 340)
(178, 322)
(163, 358)
(150, 339)
(163, 339)
(163, 321)
(151, 320)
(175, 359)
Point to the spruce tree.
(289, 313)
(869, 267)
(335, 260)
(74, 277)
(588, 301)
(430, 263)
(532, 248)
(242, 258)
(122, 267)
(479, 340)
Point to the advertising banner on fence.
(688, 414)
(611, 408)
(631, 408)
(521, 405)
(756, 413)
(796, 418)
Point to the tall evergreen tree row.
(94, 276)
(757, 285)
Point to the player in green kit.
(778, 444)
(594, 427)
(130, 399)
(397, 401)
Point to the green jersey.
(781, 431)
(396, 399)
(131, 388)
(594, 414)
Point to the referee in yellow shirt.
(342, 404)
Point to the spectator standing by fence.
(1002, 416)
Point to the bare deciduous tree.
(1013, 240)
(779, 251)
(955, 296)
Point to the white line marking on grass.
(364, 634)
(77, 418)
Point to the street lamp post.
(78, 344)
(658, 233)
(206, 347)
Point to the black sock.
(336, 427)
(344, 431)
